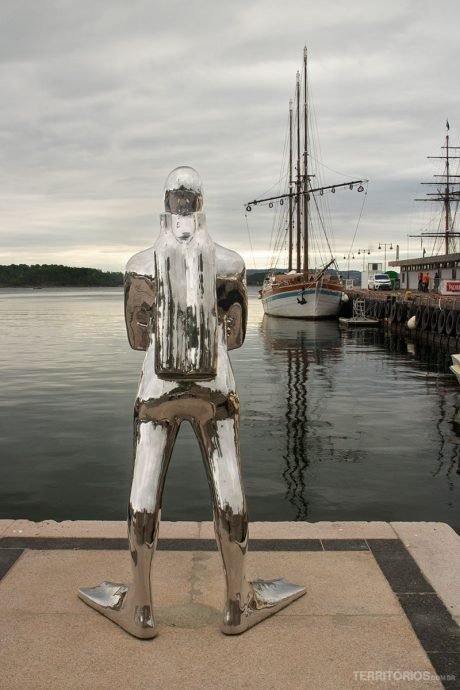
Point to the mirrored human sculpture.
(186, 306)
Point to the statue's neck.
(184, 228)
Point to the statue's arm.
(139, 285)
(232, 296)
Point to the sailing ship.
(302, 292)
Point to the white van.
(379, 281)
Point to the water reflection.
(437, 359)
(435, 355)
(300, 343)
(447, 460)
(431, 359)
(359, 405)
(336, 425)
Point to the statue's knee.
(232, 521)
(142, 527)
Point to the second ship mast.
(448, 191)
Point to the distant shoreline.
(56, 275)
(55, 287)
(41, 276)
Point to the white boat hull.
(455, 368)
(319, 303)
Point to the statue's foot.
(266, 597)
(116, 602)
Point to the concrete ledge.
(311, 530)
(4, 525)
(99, 529)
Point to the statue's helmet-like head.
(183, 191)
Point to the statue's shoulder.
(228, 263)
(142, 263)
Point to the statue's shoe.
(266, 598)
(115, 601)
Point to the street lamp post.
(348, 258)
(364, 251)
(358, 251)
(385, 245)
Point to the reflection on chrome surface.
(186, 306)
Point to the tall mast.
(447, 192)
(299, 176)
(305, 164)
(290, 189)
(447, 199)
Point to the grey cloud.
(101, 100)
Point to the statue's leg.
(246, 603)
(130, 605)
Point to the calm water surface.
(336, 425)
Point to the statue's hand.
(140, 326)
(139, 316)
(144, 316)
(234, 326)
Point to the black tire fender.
(388, 306)
(393, 312)
(419, 317)
(442, 321)
(434, 319)
(451, 321)
(426, 319)
(401, 312)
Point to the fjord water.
(335, 425)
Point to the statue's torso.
(185, 305)
(186, 317)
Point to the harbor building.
(447, 266)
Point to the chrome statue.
(186, 305)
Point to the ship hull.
(309, 302)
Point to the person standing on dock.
(426, 282)
(436, 282)
(420, 282)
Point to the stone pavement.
(382, 609)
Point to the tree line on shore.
(56, 275)
(53, 275)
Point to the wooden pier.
(437, 317)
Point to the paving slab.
(24, 588)
(436, 548)
(71, 652)
(337, 583)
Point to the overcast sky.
(101, 99)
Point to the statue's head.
(183, 191)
